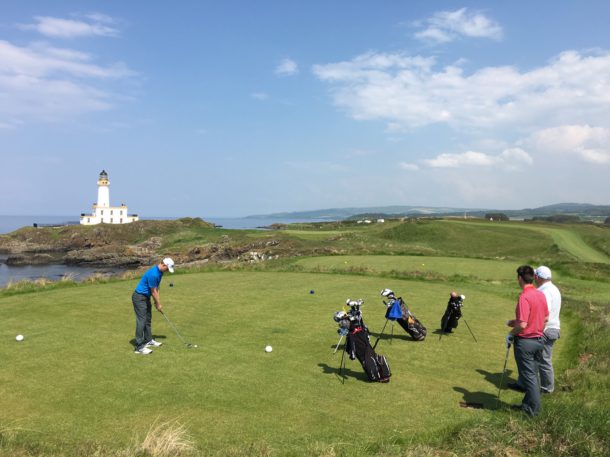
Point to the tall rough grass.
(167, 439)
(164, 439)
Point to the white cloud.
(259, 95)
(47, 83)
(408, 166)
(69, 28)
(446, 26)
(287, 67)
(510, 158)
(409, 91)
(592, 144)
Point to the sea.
(11, 273)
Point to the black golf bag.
(408, 321)
(358, 345)
(452, 314)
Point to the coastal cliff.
(189, 241)
(127, 245)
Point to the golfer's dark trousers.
(143, 309)
(528, 351)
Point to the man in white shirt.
(542, 277)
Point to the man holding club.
(146, 288)
(527, 334)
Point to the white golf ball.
(19, 337)
(268, 349)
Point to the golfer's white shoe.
(154, 343)
(143, 351)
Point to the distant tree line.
(558, 218)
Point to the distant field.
(490, 270)
(568, 240)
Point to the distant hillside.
(584, 210)
(344, 213)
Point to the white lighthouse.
(103, 213)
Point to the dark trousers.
(528, 353)
(143, 310)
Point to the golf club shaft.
(475, 340)
(174, 327)
(502, 378)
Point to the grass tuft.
(167, 439)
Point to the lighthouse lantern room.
(103, 213)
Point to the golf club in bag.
(188, 345)
(396, 310)
(358, 345)
(452, 315)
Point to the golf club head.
(387, 293)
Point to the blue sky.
(231, 108)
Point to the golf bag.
(358, 345)
(407, 320)
(453, 313)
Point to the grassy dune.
(74, 386)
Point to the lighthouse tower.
(103, 213)
(103, 190)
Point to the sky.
(233, 108)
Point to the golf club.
(188, 345)
(502, 378)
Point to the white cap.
(543, 272)
(169, 263)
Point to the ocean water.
(11, 223)
(54, 272)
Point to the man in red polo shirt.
(527, 335)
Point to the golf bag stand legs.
(465, 322)
(337, 347)
(382, 330)
(342, 367)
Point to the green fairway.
(573, 243)
(75, 376)
(445, 266)
(567, 240)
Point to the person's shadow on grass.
(479, 400)
(496, 378)
(347, 371)
(388, 336)
(155, 337)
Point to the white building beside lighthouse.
(103, 213)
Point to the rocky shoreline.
(113, 246)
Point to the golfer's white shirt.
(553, 301)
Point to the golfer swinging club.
(147, 287)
